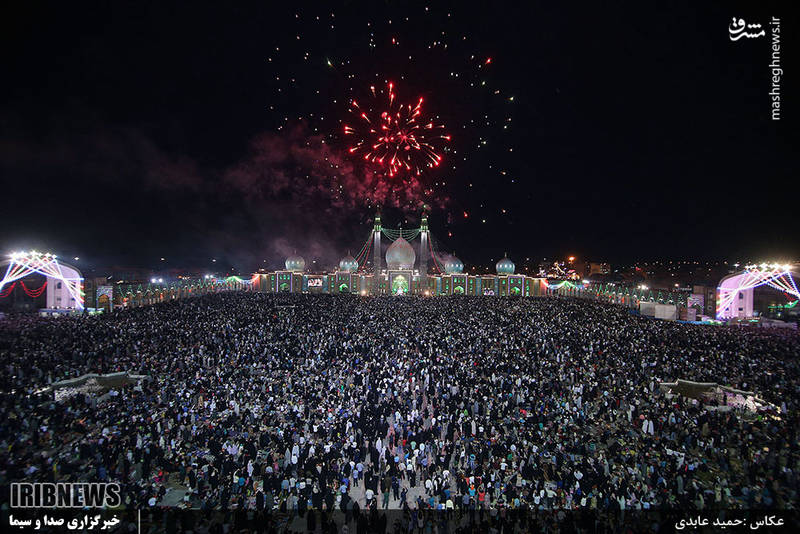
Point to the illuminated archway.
(458, 290)
(343, 288)
(735, 292)
(104, 302)
(284, 287)
(64, 283)
(515, 290)
(399, 285)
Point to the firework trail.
(396, 136)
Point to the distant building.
(704, 299)
(406, 272)
(599, 268)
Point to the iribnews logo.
(65, 495)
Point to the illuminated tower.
(423, 245)
(376, 245)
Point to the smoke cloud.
(292, 191)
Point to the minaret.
(376, 245)
(423, 245)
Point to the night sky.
(135, 131)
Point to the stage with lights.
(62, 287)
(736, 291)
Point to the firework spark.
(397, 136)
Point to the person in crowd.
(467, 403)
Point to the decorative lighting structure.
(68, 279)
(735, 292)
(564, 283)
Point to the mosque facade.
(401, 270)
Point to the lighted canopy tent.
(63, 282)
(735, 292)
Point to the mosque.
(410, 266)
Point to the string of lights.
(33, 293)
(436, 262)
(7, 291)
(362, 257)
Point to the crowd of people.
(292, 402)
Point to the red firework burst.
(396, 136)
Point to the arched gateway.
(63, 282)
